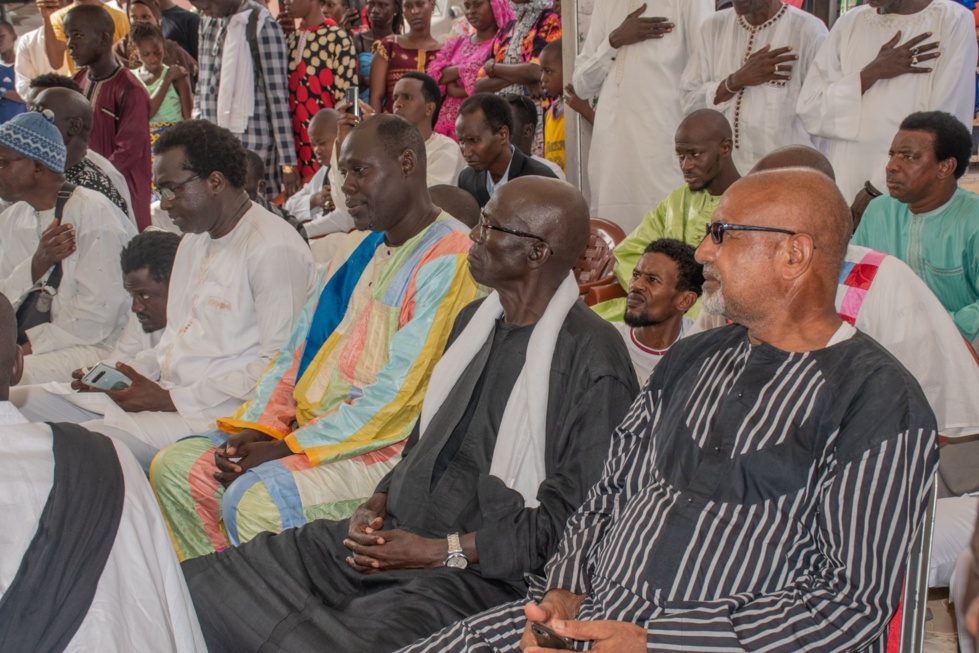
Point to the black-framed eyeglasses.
(716, 230)
(168, 194)
(484, 225)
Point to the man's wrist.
(731, 84)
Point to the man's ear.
(798, 255)
(946, 167)
(216, 182)
(407, 160)
(503, 135)
(727, 146)
(17, 372)
(262, 185)
(539, 254)
(685, 299)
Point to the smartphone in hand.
(547, 638)
(104, 377)
(352, 96)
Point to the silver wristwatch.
(456, 558)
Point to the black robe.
(295, 592)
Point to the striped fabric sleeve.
(868, 509)
(568, 569)
(388, 407)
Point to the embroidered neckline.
(768, 23)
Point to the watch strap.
(455, 544)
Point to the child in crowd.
(552, 79)
(171, 99)
(10, 103)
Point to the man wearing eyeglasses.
(330, 416)
(240, 277)
(513, 430)
(763, 491)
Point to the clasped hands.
(241, 452)
(373, 549)
(557, 611)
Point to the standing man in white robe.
(749, 65)
(633, 58)
(883, 61)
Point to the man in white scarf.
(514, 427)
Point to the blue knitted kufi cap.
(34, 136)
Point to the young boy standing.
(552, 79)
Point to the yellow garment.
(554, 135)
(58, 25)
(683, 215)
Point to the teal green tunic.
(941, 246)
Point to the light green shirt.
(941, 246)
(683, 215)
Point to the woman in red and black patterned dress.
(322, 65)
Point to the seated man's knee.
(249, 509)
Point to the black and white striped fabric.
(753, 499)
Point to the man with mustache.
(240, 277)
(725, 518)
(331, 413)
(880, 60)
(927, 221)
(665, 284)
(483, 128)
(513, 430)
(703, 143)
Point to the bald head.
(795, 156)
(93, 17)
(72, 112)
(552, 209)
(704, 123)
(325, 118)
(458, 203)
(9, 357)
(801, 200)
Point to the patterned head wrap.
(502, 12)
(33, 135)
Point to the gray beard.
(713, 302)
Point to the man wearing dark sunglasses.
(769, 477)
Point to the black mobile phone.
(352, 95)
(550, 639)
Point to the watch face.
(457, 562)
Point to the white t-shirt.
(644, 359)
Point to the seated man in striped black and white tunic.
(764, 490)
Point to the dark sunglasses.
(716, 230)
